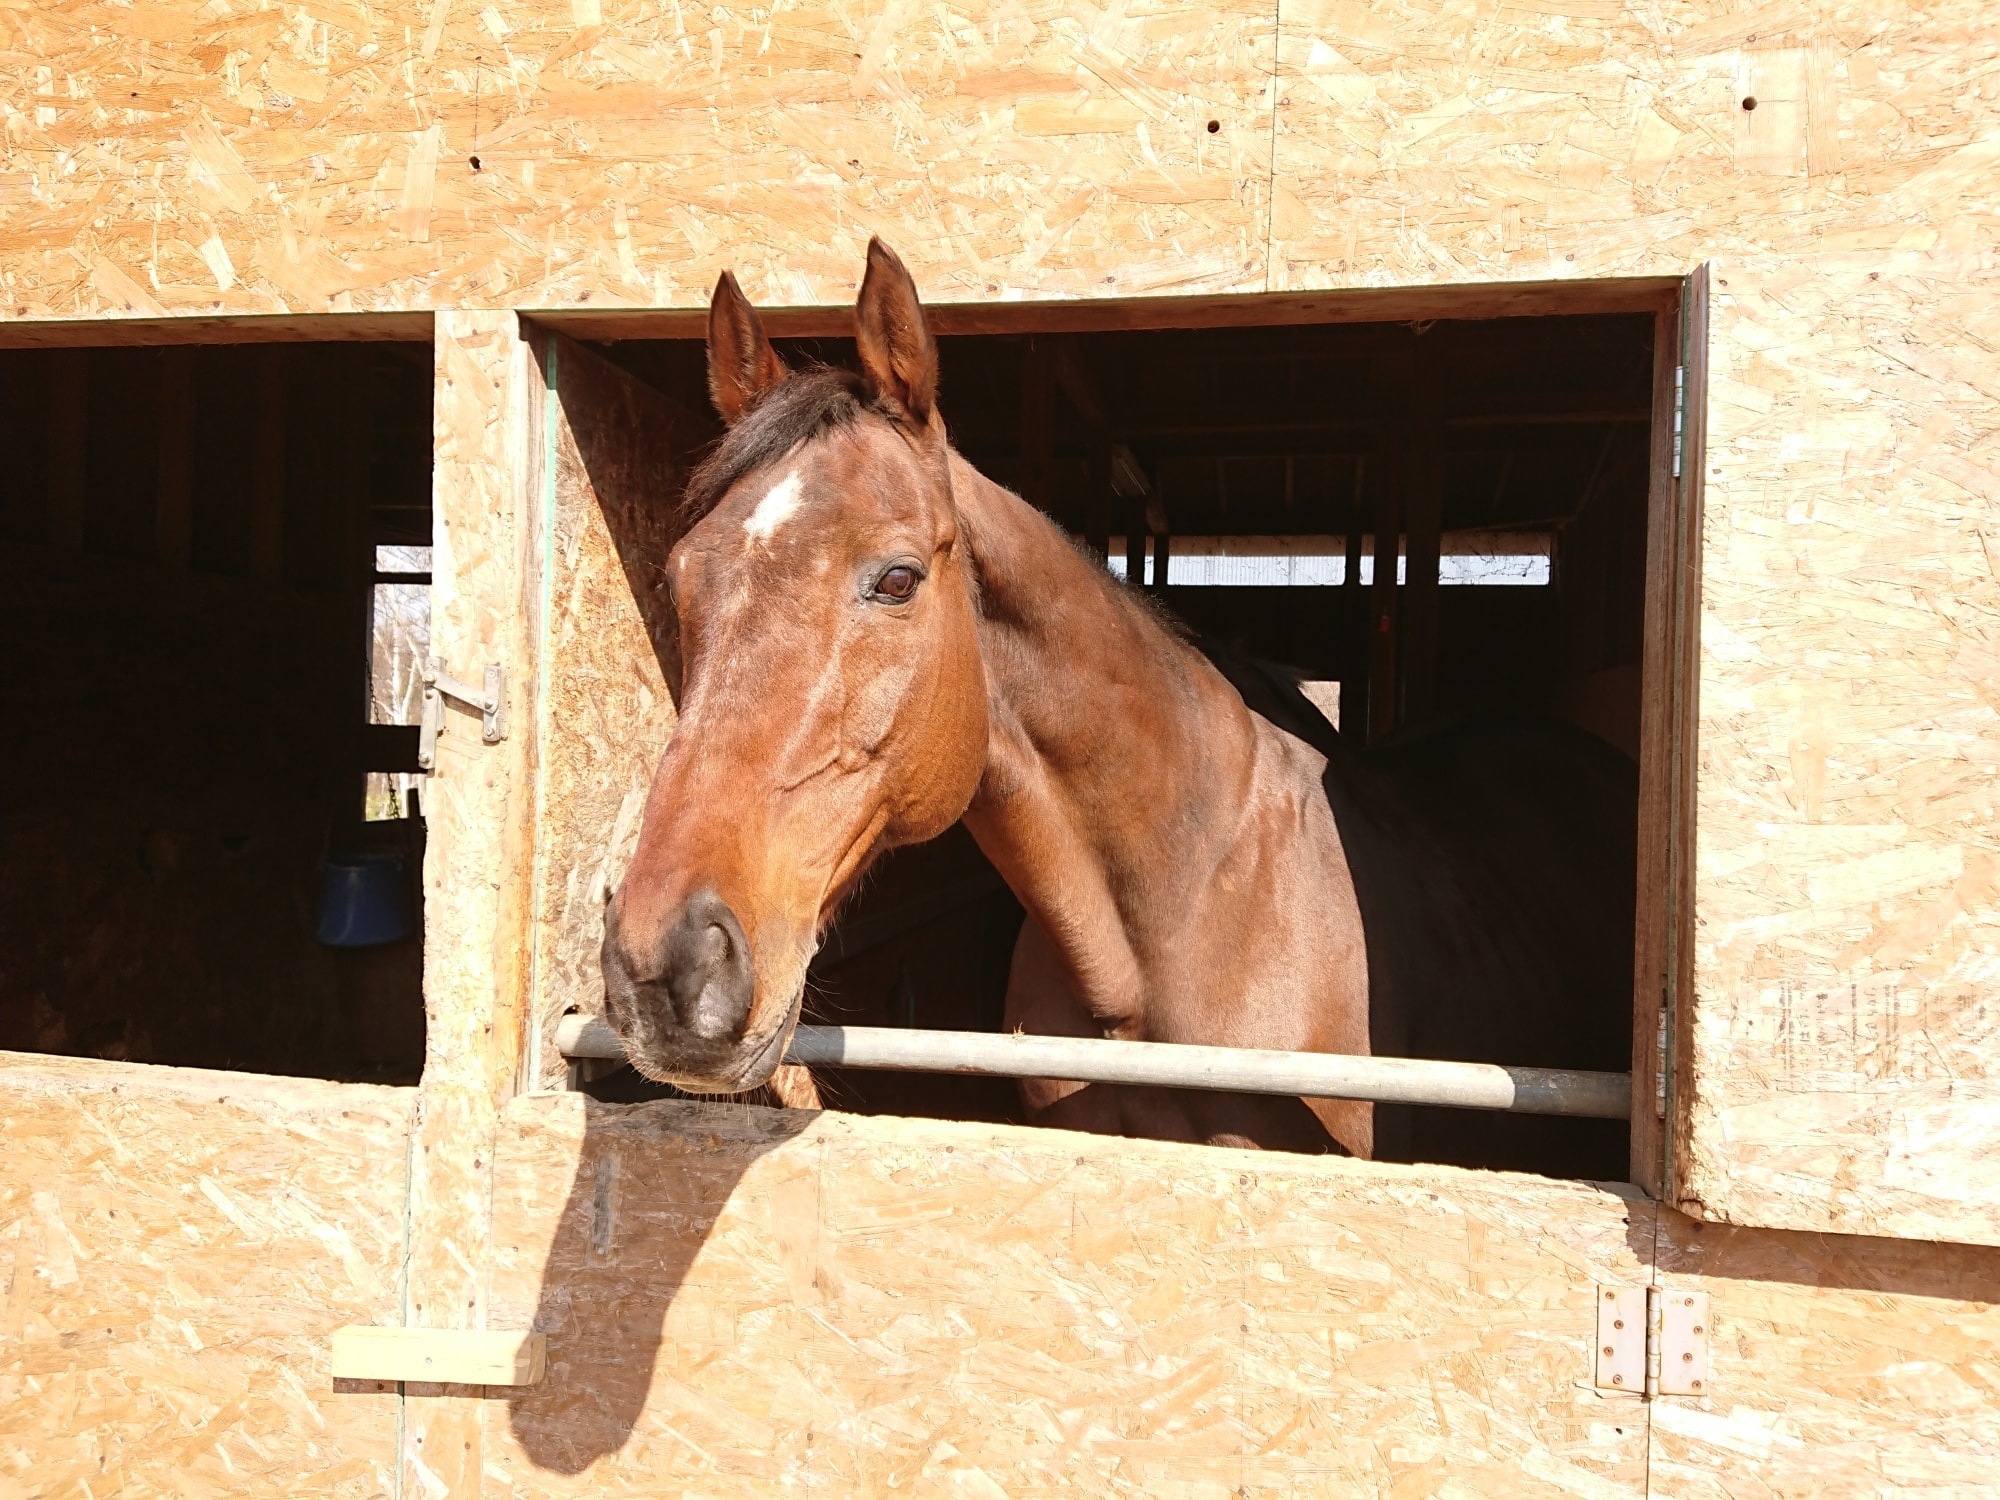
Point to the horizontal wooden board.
(439, 1356)
(739, 1300)
(177, 1247)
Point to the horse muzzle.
(682, 1002)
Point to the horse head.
(833, 700)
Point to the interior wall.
(182, 703)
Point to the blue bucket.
(364, 900)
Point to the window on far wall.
(1466, 559)
(399, 641)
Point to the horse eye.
(898, 584)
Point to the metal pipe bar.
(1243, 1070)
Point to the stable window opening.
(1248, 478)
(216, 567)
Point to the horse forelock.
(804, 406)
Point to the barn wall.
(169, 159)
(176, 1247)
(740, 1300)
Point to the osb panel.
(478, 867)
(617, 447)
(1433, 142)
(176, 1247)
(1840, 1366)
(180, 158)
(1841, 1073)
(739, 1300)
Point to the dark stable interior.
(187, 539)
(1531, 429)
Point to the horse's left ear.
(898, 355)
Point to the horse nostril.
(705, 969)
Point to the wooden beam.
(1037, 421)
(173, 516)
(289, 328)
(1109, 315)
(267, 483)
(1382, 597)
(478, 869)
(1423, 491)
(69, 438)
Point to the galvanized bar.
(1311, 1075)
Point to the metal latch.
(1652, 1341)
(489, 704)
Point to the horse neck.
(1119, 761)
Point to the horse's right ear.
(742, 365)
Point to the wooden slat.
(69, 422)
(439, 1356)
(173, 538)
(267, 475)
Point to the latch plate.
(1683, 1342)
(488, 701)
(1621, 1339)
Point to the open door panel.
(1831, 990)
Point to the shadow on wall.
(652, 1187)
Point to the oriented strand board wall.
(175, 1248)
(1843, 1368)
(166, 157)
(175, 157)
(616, 447)
(1842, 1069)
(742, 1300)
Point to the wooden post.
(173, 515)
(1382, 596)
(1354, 614)
(485, 604)
(69, 435)
(1097, 510)
(1038, 422)
(1423, 501)
(267, 492)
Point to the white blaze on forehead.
(775, 508)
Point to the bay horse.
(877, 642)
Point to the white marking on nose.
(774, 509)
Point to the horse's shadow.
(652, 1182)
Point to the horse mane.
(803, 406)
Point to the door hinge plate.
(1621, 1339)
(1682, 1341)
(1651, 1341)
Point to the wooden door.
(1835, 1057)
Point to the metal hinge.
(489, 704)
(1680, 413)
(1652, 1341)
